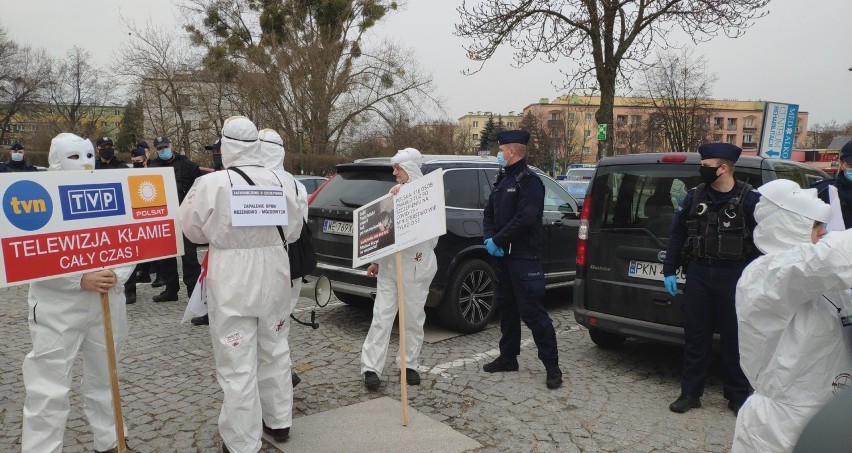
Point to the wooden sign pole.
(403, 383)
(113, 373)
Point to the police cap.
(516, 136)
(138, 151)
(17, 146)
(215, 145)
(846, 152)
(720, 151)
(104, 141)
(161, 142)
(143, 144)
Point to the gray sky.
(800, 53)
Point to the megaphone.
(319, 291)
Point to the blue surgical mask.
(165, 153)
(847, 175)
(18, 157)
(500, 159)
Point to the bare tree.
(24, 75)
(608, 39)
(677, 88)
(821, 134)
(316, 78)
(78, 94)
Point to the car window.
(355, 188)
(461, 188)
(801, 175)
(574, 174)
(556, 198)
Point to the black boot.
(279, 434)
(554, 377)
(296, 379)
(371, 381)
(201, 320)
(412, 377)
(165, 296)
(143, 277)
(501, 364)
(684, 403)
(158, 282)
(130, 298)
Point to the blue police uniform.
(708, 301)
(843, 183)
(513, 220)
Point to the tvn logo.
(91, 200)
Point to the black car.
(624, 230)
(462, 291)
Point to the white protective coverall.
(792, 346)
(248, 284)
(419, 266)
(64, 319)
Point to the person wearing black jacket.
(186, 172)
(837, 192)
(106, 155)
(17, 161)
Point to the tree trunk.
(604, 115)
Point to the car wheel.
(606, 340)
(468, 305)
(353, 300)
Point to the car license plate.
(335, 227)
(650, 271)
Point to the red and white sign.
(68, 222)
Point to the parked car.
(580, 174)
(463, 289)
(624, 228)
(312, 183)
(577, 188)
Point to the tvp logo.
(86, 201)
(147, 196)
(27, 205)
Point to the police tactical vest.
(721, 234)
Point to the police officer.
(106, 155)
(513, 234)
(711, 230)
(838, 192)
(186, 171)
(215, 149)
(17, 160)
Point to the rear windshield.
(355, 188)
(645, 197)
(577, 174)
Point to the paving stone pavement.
(612, 401)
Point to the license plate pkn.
(335, 227)
(650, 271)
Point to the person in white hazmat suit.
(65, 318)
(791, 305)
(419, 266)
(272, 147)
(248, 284)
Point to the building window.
(572, 116)
(476, 136)
(554, 116)
(511, 124)
(731, 138)
(717, 137)
(587, 133)
(732, 124)
(586, 150)
(748, 122)
(588, 116)
(798, 127)
(476, 124)
(635, 119)
(748, 138)
(621, 120)
(570, 134)
(117, 112)
(185, 99)
(718, 121)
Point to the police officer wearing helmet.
(712, 232)
(106, 155)
(17, 160)
(186, 172)
(512, 228)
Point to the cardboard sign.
(66, 222)
(258, 206)
(393, 223)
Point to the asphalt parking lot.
(612, 401)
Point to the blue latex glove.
(492, 248)
(671, 284)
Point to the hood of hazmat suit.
(793, 348)
(64, 318)
(272, 148)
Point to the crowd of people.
(763, 272)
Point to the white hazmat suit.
(419, 266)
(793, 348)
(65, 319)
(248, 284)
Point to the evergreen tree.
(488, 136)
(132, 128)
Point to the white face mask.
(85, 160)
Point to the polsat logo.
(147, 196)
(27, 205)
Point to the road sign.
(601, 131)
(777, 136)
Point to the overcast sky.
(800, 53)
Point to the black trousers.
(191, 269)
(518, 297)
(708, 306)
(141, 268)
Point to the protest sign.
(67, 222)
(258, 206)
(392, 223)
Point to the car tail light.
(314, 195)
(673, 158)
(583, 234)
(593, 321)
